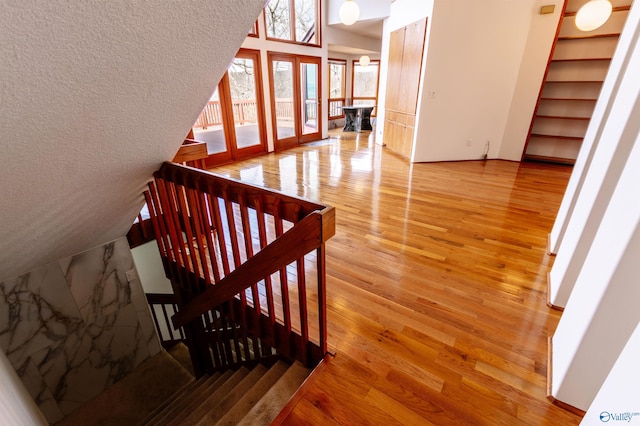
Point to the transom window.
(293, 20)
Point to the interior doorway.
(294, 82)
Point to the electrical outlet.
(469, 142)
(131, 275)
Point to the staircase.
(161, 391)
(242, 397)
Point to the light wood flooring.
(436, 283)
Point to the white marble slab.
(72, 328)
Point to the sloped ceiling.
(94, 96)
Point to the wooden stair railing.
(243, 254)
(191, 153)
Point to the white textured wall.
(599, 118)
(532, 67)
(150, 269)
(602, 311)
(473, 64)
(93, 97)
(16, 405)
(608, 141)
(617, 400)
(603, 250)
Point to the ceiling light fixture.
(349, 12)
(593, 14)
(364, 60)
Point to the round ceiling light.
(364, 60)
(349, 12)
(593, 14)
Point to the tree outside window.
(365, 84)
(337, 71)
(292, 20)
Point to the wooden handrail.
(289, 207)
(307, 235)
(244, 255)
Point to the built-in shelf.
(575, 81)
(570, 99)
(577, 66)
(587, 36)
(580, 59)
(566, 138)
(548, 159)
(559, 117)
(613, 10)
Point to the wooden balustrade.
(163, 307)
(211, 115)
(245, 254)
(284, 109)
(335, 108)
(244, 111)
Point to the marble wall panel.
(72, 328)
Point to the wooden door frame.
(261, 148)
(296, 60)
(234, 153)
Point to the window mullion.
(292, 20)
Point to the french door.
(295, 101)
(233, 124)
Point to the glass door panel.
(295, 87)
(209, 127)
(242, 83)
(309, 98)
(308, 95)
(232, 124)
(283, 90)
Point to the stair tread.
(250, 398)
(136, 396)
(177, 404)
(216, 405)
(168, 401)
(198, 398)
(265, 410)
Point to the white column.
(604, 307)
(592, 136)
(16, 405)
(618, 401)
(609, 139)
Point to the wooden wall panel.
(412, 65)
(394, 75)
(406, 47)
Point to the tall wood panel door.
(406, 46)
(412, 65)
(577, 68)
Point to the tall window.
(337, 73)
(365, 84)
(293, 20)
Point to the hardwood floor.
(436, 285)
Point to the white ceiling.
(371, 29)
(94, 96)
(369, 26)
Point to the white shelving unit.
(576, 70)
